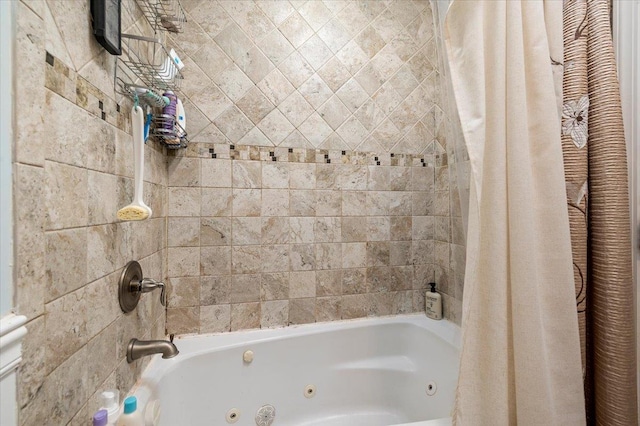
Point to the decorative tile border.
(304, 155)
(64, 81)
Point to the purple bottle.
(170, 110)
(169, 120)
(100, 418)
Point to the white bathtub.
(372, 372)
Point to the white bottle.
(131, 416)
(110, 402)
(433, 303)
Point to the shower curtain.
(520, 357)
(597, 196)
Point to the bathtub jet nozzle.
(139, 348)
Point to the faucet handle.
(132, 284)
(149, 284)
(171, 336)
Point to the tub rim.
(192, 345)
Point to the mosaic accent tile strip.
(308, 155)
(64, 81)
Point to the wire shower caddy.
(164, 14)
(146, 70)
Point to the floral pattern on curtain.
(594, 154)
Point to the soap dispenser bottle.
(131, 416)
(110, 403)
(433, 303)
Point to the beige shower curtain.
(597, 196)
(520, 357)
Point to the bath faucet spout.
(139, 348)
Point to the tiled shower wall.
(269, 243)
(335, 205)
(346, 75)
(457, 169)
(73, 170)
(316, 185)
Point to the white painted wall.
(626, 32)
(7, 39)
(12, 329)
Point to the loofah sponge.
(132, 212)
(137, 210)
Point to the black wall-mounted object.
(105, 16)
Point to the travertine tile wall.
(452, 175)
(348, 75)
(321, 77)
(449, 235)
(305, 238)
(73, 170)
(295, 202)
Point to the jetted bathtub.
(368, 372)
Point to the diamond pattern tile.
(296, 140)
(334, 35)
(296, 109)
(315, 91)
(335, 74)
(193, 38)
(352, 95)
(256, 138)
(352, 57)
(315, 13)
(211, 101)
(369, 78)
(233, 123)
(315, 52)
(255, 105)
(403, 11)
(296, 29)
(211, 17)
(315, 129)
(209, 133)
(255, 64)
(211, 60)
(233, 82)
(296, 69)
(195, 80)
(352, 132)
(249, 17)
(386, 134)
(276, 46)
(370, 41)
(421, 29)
(334, 112)
(275, 126)
(386, 62)
(276, 87)
(369, 115)
(335, 6)
(233, 41)
(352, 19)
(277, 11)
(334, 141)
(387, 26)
